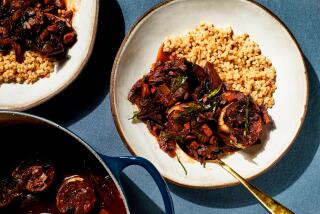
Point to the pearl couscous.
(34, 67)
(236, 58)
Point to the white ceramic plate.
(25, 96)
(139, 51)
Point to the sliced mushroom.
(221, 124)
(239, 127)
(178, 107)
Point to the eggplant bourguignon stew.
(44, 26)
(186, 105)
(45, 171)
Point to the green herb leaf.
(176, 138)
(210, 106)
(166, 136)
(189, 110)
(178, 82)
(246, 119)
(215, 92)
(135, 118)
(184, 168)
(192, 109)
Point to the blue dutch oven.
(74, 145)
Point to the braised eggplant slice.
(76, 195)
(242, 121)
(34, 177)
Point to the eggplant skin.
(76, 195)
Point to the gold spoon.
(270, 204)
(265, 200)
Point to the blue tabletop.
(84, 108)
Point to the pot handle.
(118, 164)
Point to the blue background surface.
(84, 109)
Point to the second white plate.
(25, 96)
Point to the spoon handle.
(270, 204)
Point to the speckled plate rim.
(115, 113)
(76, 74)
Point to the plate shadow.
(301, 154)
(92, 85)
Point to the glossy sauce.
(69, 159)
(163, 56)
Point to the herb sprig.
(135, 118)
(183, 167)
(215, 92)
(178, 82)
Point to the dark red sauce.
(37, 171)
(163, 56)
